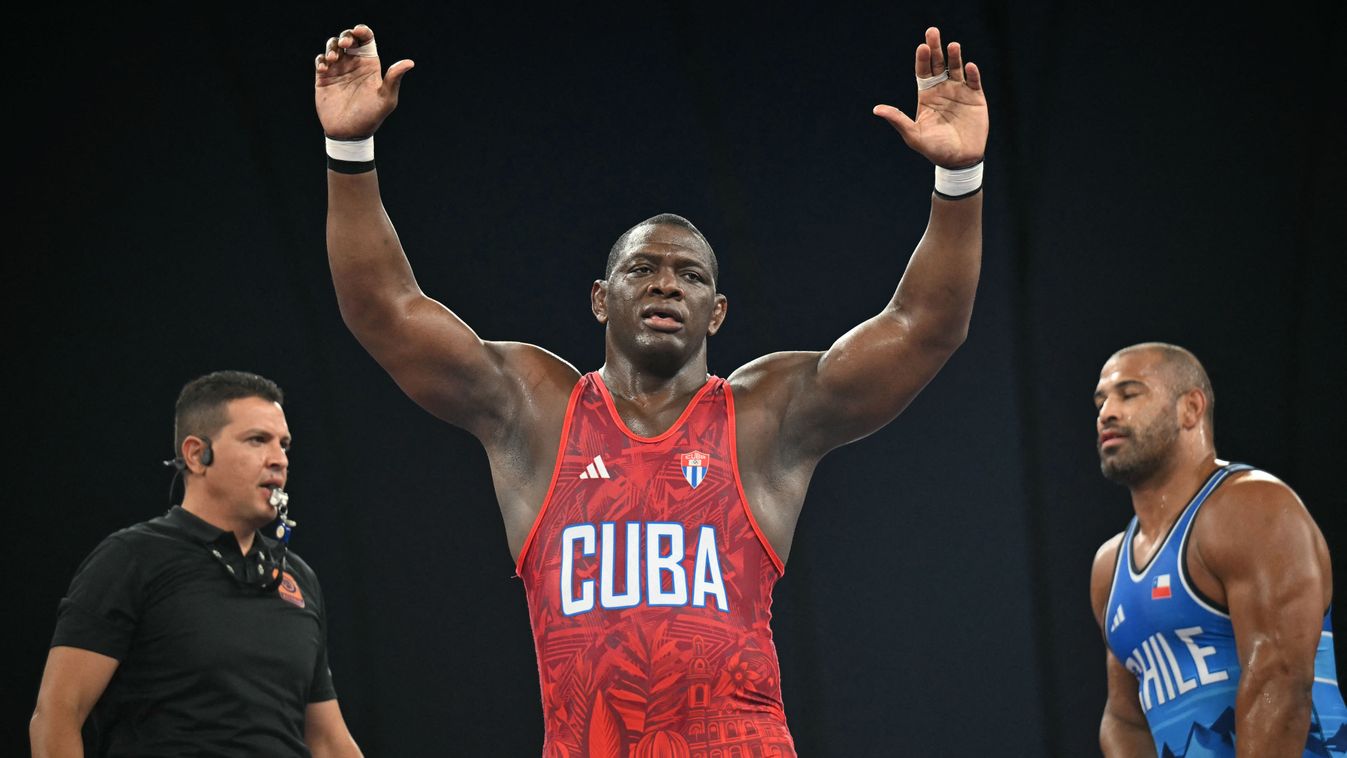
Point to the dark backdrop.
(1170, 174)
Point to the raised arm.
(1260, 543)
(430, 352)
(1123, 732)
(870, 375)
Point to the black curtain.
(1168, 174)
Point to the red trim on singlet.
(622, 425)
(556, 473)
(739, 483)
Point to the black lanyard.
(264, 568)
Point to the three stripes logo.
(595, 470)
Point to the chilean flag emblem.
(1160, 587)
(694, 466)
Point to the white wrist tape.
(927, 82)
(353, 151)
(367, 50)
(958, 182)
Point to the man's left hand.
(951, 124)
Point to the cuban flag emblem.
(1160, 587)
(694, 466)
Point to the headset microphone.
(207, 458)
(179, 464)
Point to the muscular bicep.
(441, 364)
(434, 357)
(869, 375)
(1262, 546)
(72, 682)
(1279, 606)
(863, 381)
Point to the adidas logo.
(595, 470)
(1118, 618)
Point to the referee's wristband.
(958, 183)
(354, 156)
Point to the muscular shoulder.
(1241, 510)
(539, 380)
(774, 372)
(767, 392)
(537, 372)
(1252, 514)
(531, 361)
(1101, 573)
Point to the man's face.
(660, 301)
(250, 459)
(1138, 424)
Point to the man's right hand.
(351, 95)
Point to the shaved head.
(663, 219)
(1182, 372)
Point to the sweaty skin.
(1253, 548)
(792, 407)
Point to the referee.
(193, 633)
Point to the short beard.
(1149, 452)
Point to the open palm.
(951, 124)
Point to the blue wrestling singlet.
(1181, 648)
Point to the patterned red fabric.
(669, 672)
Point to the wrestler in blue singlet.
(1181, 647)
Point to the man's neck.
(644, 388)
(1159, 500)
(205, 511)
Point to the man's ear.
(1192, 408)
(598, 301)
(196, 454)
(718, 314)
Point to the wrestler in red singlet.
(649, 579)
(650, 589)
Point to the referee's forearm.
(54, 736)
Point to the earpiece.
(207, 457)
(179, 464)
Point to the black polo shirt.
(208, 665)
